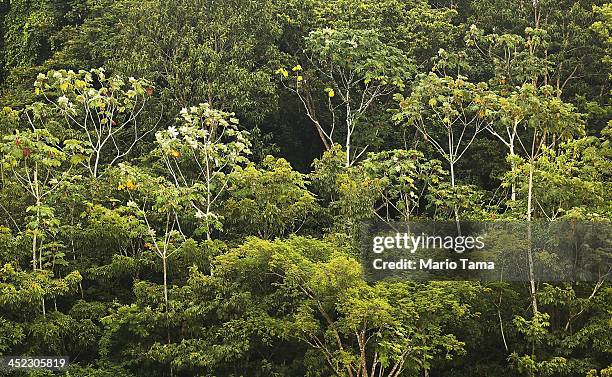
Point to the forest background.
(183, 182)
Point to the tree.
(40, 162)
(22, 291)
(199, 155)
(105, 112)
(354, 69)
(416, 27)
(199, 51)
(568, 181)
(602, 27)
(358, 329)
(449, 113)
(28, 30)
(269, 201)
(549, 38)
(521, 111)
(160, 205)
(406, 179)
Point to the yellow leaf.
(331, 93)
(283, 72)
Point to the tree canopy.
(183, 183)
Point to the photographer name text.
(431, 265)
(412, 243)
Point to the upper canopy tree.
(413, 26)
(200, 154)
(528, 111)
(353, 57)
(104, 111)
(158, 204)
(354, 69)
(40, 162)
(569, 180)
(449, 113)
(557, 38)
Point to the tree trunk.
(348, 148)
(208, 196)
(455, 208)
(34, 259)
(513, 166)
(35, 236)
(534, 302)
(349, 128)
(165, 266)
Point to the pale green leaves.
(93, 89)
(361, 52)
(206, 131)
(199, 153)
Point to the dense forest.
(183, 182)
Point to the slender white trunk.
(532, 285)
(513, 166)
(348, 148)
(208, 197)
(455, 208)
(349, 129)
(95, 169)
(165, 266)
(35, 236)
(34, 259)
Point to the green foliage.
(270, 201)
(199, 155)
(355, 70)
(201, 51)
(145, 231)
(602, 28)
(104, 111)
(336, 312)
(30, 26)
(569, 182)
